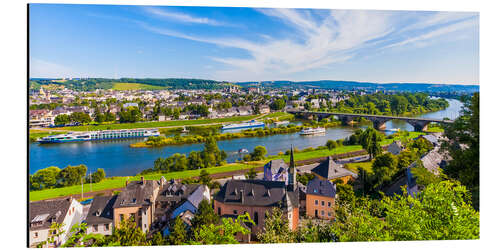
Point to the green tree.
(276, 228)
(71, 175)
(224, 232)
(259, 153)
(128, 234)
(205, 215)
(331, 144)
(158, 240)
(205, 177)
(278, 104)
(61, 119)
(45, 178)
(442, 211)
(178, 234)
(97, 176)
(463, 148)
(384, 168)
(251, 174)
(370, 141)
(130, 114)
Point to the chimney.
(142, 180)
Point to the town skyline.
(244, 44)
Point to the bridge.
(419, 124)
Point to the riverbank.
(190, 139)
(119, 181)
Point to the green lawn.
(119, 181)
(367, 166)
(135, 86)
(35, 134)
(159, 124)
(278, 115)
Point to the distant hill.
(352, 85)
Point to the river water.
(118, 159)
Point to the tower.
(292, 173)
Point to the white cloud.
(337, 36)
(182, 17)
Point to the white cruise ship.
(99, 135)
(251, 124)
(312, 131)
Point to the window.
(106, 227)
(35, 235)
(95, 228)
(322, 212)
(315, 212)
(323, 203)
(122, 218)
(235, 211)
(329, 204)
(218, 210)
(329, 214)
(256, 218)
(316, 202)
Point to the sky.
(249, 44)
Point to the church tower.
(292, 173)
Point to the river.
(118, 159)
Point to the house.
(245, 110)
(43, 214)
(258, 197)
(395, 148)
(130, 104)
(430, 137)
(276, 170)
(175, 198)
(330, 170)
(320, 199)
(100, 216)
(264, 109)
(137, 201)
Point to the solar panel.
(40, 218)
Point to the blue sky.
(247, 44)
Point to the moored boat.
(99, 135)
(251, 124)
(312, 131)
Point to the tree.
(205, 177)
(423, 176)
(79, 117)
(314, 232)
(158, 240)
(223, 233)
(71, 175)
(276, 228)
(97, 176)
(463, 148)
(370, 141)
(45, 178)
(61, 119)
(384, 168)
(128, 234)
(259, 153)
(331, 144)
(251, 174)
(178, 234)
(204, 216)
(130, 114)
(441, 211)
(278, 104)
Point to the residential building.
(100, 216)
(137, 201)
(320, 199)
(43, 214)
(395, 148)
(264, 109)
(258, 198)
(330, 170)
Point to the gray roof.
(321, 187)
(256, 193)
(43, 213)
(101, 210)
(329, 169)
(137, 194)
(395, 148)
(432, 161)
(432, 138)
(197, 196)
(276, 166)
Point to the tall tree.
(178, 234)
(276, 228)
(463, 147)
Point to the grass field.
(367, 166)
(278, 115)
(158, 124)
(117, 182)
(135, 86)
(35, 134)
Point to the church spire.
(292, 173)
